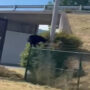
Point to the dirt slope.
(80, 24)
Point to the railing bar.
(40, 6)
(22, 6)
(64, 51)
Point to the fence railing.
(44, 7)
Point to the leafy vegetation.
(46, 61)
(68, 42)
(25, 55)
(64, 41)
(43, 64)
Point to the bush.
(68, 41)
(58, 57)
(25, 55)
(42, 68)
(64, 41)
(43, 64)
(45, 68)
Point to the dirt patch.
(4, 72)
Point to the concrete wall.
(14, 45)
(22, 27)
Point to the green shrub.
(43, 64)
(58, 57)
(25, 55)
(42, 68)
(64, 41)
(39, 65)
(68, 41)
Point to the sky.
(43, 27)
(24, 2)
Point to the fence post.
(81, 8)
(79, 71)
(25, 76)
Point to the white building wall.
(14, 45)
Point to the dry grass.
(80, 24)
(11, 82)
(14, 85)
(7, 83)
(4, 72)
(85, 81)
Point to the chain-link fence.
(65, 70)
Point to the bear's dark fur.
(34, 40)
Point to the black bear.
(35, 40)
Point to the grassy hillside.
(80, 24)
(10, 81)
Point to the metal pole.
(27, 65)
(54, 20)
(79, 72)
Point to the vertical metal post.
(27, 65)
(79, 72)
(80, 8)
(54, 20)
